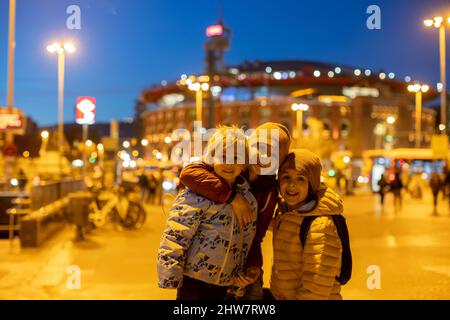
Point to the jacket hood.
(307, 163)
(284, 137)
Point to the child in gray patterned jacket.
(203, 249)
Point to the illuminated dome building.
(349, 108)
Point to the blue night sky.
(125, 46)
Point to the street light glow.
(54, 47)
(357, 72)
(205, 86)
(390, 120)
(167, 140)
(438, 21)
(277, 75)
(14, 182)
(425, 88)
(196, 86)
(382, 75)
(428, 22)
(144, 142)
(303, 107)
(316, 73)
(44, 134)
(294, 107)
(126, 144)
(88, 143)
(57, 48)
(69, 47)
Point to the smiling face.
(228, 172)
(293, 187)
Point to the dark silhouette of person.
(22, 181)
(435, 185)
(144, 185)
(396, 187)
(384, 188)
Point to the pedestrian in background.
(446, 185)
(144, 185)
(22, 180)
(435, 185)
(396, 187)
(384, 188)
(151, 188)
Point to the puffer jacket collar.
(327, 204)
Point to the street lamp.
(167, 140)
(144, 142)
(198, 88)
(418, 89)
(44, 136)
(56, 48)
(299, 108)
(439, 23)
(390, 120)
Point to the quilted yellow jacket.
(307, 273)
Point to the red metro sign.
(85, 110)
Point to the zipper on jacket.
(228, 249)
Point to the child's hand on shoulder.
(250, 276)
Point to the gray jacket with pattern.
(202, 240)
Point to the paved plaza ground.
(410, 247)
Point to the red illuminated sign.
(214, 30)
(85, 110)
(10, 121)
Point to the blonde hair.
(226, 140)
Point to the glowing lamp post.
(418, 89)
(439, 23)
(299, 108)
(56, 48)
(198, 88)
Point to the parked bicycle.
(118, 207)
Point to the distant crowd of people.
(412, 184)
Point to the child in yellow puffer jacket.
(312, 255)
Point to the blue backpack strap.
(342, 230)
(346, 266)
